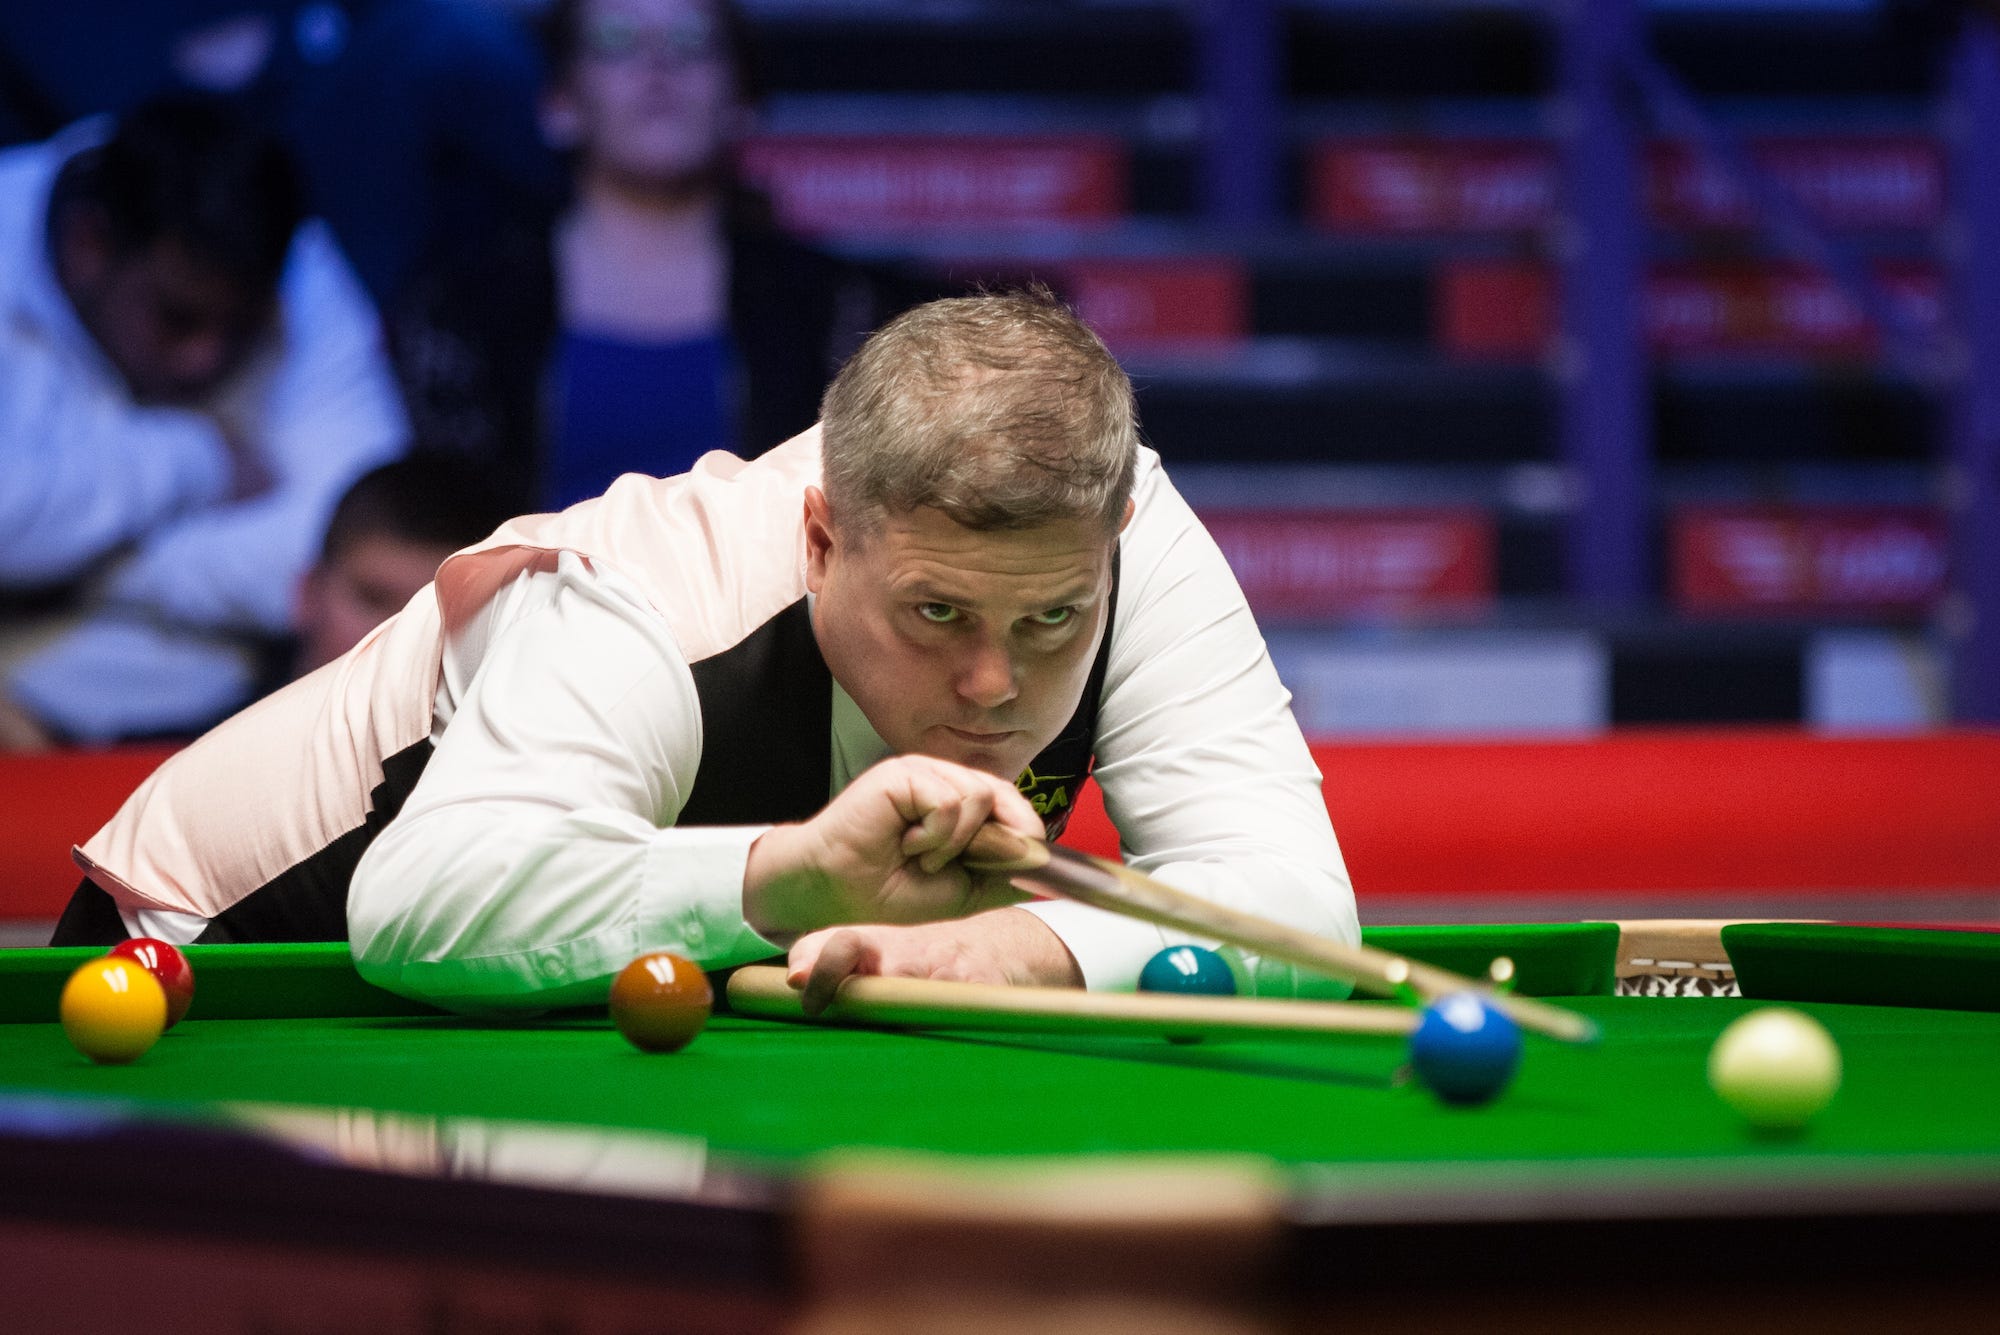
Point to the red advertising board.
(1825, 559)
(1136, 303)
(1431, 185)
(1512, 184)
(1694, 307)
(1493, 308)
(1507, 308)
(849, 183)
(1860, 181)
(1299, 565)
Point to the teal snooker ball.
(1188, 969)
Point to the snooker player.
(762, 707)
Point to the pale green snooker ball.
(1776, 1067)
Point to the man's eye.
(1055, 616)
(938, 614)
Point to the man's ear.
(1131, 508)
(819, 538)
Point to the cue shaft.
(924, 1003)
(1119, 889)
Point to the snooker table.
(306, 1152)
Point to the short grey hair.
(1002, 410)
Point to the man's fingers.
(1009, 806)
(799, 959)
(1012, 810)
(972, 812)
(935, 829)
(840, 956)
(918, 788)
(980, 798)
(929, 802)
(954, 802)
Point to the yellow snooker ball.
(113, 1010)
(1776, 1067)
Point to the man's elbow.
(382, 930)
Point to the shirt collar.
(856, 745)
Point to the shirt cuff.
(694, 896)
(1110, 951)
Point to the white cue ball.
(1776, 1067)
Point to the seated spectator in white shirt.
(189, 378)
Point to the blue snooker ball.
(1188, 969)
(1465, 1048)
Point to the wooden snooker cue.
(923, 1003)
(1119, 889)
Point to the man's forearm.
(508, 908)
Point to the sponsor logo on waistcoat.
(1050, 795)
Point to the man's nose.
(987, 677)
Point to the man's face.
(970, 646)
(343, 599)
(173, 327)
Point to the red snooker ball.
(165, 962)
(660, 1002)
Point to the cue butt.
(925, 1003)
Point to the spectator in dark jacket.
(661, 315)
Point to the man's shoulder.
(1156, 541)
(715, 551)
(318, 282)
(20, 165)
(25, 173)
(1154, 497)
(28, 170)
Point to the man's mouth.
(980, 737)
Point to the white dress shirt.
(538, 855)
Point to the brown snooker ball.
(660, 1001)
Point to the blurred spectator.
(189, 377)
(413, 121)
(389, 534)
(663, 315)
